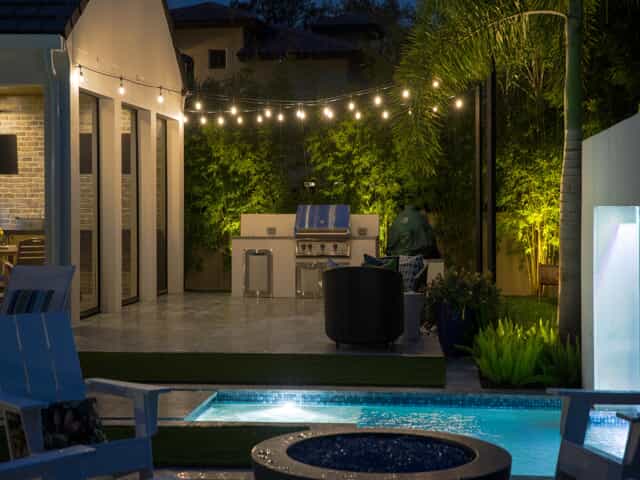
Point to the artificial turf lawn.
(267, 369)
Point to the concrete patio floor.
(210, 322)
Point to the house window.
(8, 155)
(217, 59)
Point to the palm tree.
(456, 42)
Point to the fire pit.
(376, 454)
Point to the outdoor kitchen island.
(285, 255)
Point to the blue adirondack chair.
(43, 277)
(68, 464)
(579, 462)
(39, 366)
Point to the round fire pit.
(377, 454)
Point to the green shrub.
(511, 355)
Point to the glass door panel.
(130, 263)
(89, 212)
(161, 205)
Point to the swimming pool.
(527, 426)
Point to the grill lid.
(323, 220)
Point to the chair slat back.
(31, 251)
(46, 277)
(42, 361)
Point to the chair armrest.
(123, 389)
(21, 403)
(599, 396)
(145, 400)
(66, 463)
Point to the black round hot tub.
(376, 454)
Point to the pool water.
(527, 426)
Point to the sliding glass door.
(130, 263)
(161, 204)
(89, 206)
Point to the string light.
(435, 83)
(267, 112)
(377, 100)
(328, 112)
(435, 109)
(385, 115)
(352, 106)
(406, 93)
(259, 118)
(233, 110)
(221, 120)
(198, 105)
(78, 76)
(280, 117)
(240, 120)
(185, 119)
(358, 115)
(301, 114)
(160, 96)
(121, 89)
(203, 120)
(459, 103)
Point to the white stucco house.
(91, 144)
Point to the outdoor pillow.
(409, 268)
(389, 263)
(29, 301)
(66, 424)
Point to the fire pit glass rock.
(372, 454)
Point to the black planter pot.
(454, 330)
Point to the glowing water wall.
(611, 258)
(616, 298)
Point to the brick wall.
(22, 195)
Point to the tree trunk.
(569, 307)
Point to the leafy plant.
(509, 354)
(464, 290)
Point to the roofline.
(183, 74)
(75, 16)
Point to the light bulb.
(280, 117)
(240, 120)
(459, 103)
(377, 100)
(259, 118)
(301, 115)
(435, 109)
(406, 93)
(185, 119)
(198, 105)
(267, 112)
(358, 115)
(121, 89)
(385, 115)
(220, 120)
(233, 110)
(328, 112)
(203, 120)
(81, 78)
(352, 106)
(160, 97)
(435, 84)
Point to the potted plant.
(460, 302)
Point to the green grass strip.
(267, 369)
(205, 445)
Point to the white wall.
(132, 40)
(610, 177)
